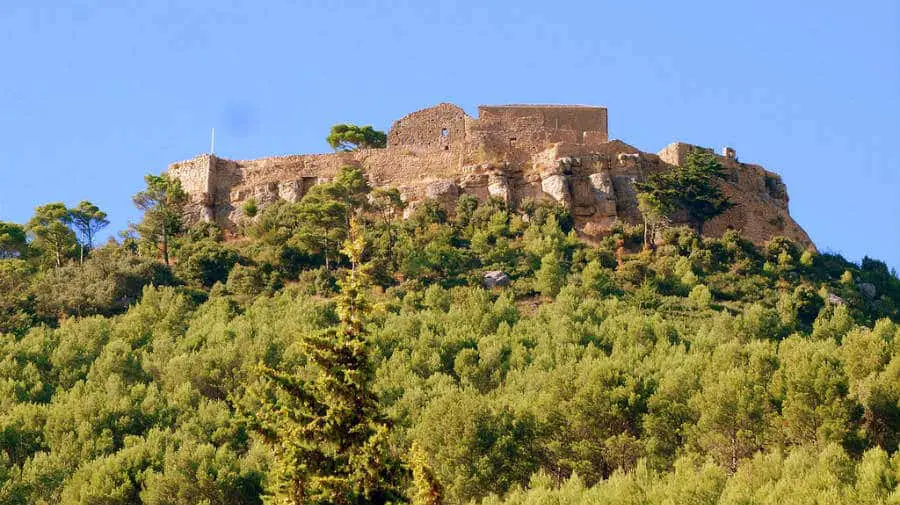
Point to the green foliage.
(16, 298)
(106, 283)
(691, 189)
(598, 279)
(700, 296)
(52, 235)
(13, 243)
(87, 219)
(324, 213)
(550, 276)
(347, 137)
(162, 203)
(733, 407)
(206, 262)
(250, 208)
(327, 435)
(812, 390)
(274, 224)
(247, 281)
(702, 371)
(426, 488)
(320, 282)
(477, 450)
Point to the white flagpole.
(212, 142)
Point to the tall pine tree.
(328, 438)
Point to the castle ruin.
(559, 153)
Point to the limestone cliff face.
(515, 153)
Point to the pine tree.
(13, 240)
(691, 189)
(328, 438)
(550, 277)
(163, 205)
(50, 227)
(87, 219)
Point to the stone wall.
(677, 152)
(515, 153)
(194, 174)
(549, 118)
(516, 132)
(512, 132)
(437, 128)
(197, 178)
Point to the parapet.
(509, 129)
(576, 118)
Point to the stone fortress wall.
(560, 153)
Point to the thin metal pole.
(212, 142)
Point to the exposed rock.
(515, 153)
(604, 192)
(445, 191)
(836, 300)
(557, 186)
(266, 192)
(291, 191)
(495, 278)
(628, 160)
(410, 208)
(441, 189)
(603, 185)
(567, 163)
(473, 181)
(498, 187)
(626, 198)
(868, 290)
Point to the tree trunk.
(325, 251)
(390, 233)
(733, 453)
(165, 237)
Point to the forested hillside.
(333, 352)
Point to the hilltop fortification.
(560, 153)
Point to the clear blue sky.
(95, 94)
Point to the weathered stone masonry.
(560, 153)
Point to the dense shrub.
(707, 371)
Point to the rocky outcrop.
(495, 278)
(604, 193)
(566, 160)
(445, 191)
(498, 187)
(556, 186)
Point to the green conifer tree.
(328, 438)
(50, 227)
(692, 189)
(163, 205)
(550, 277)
